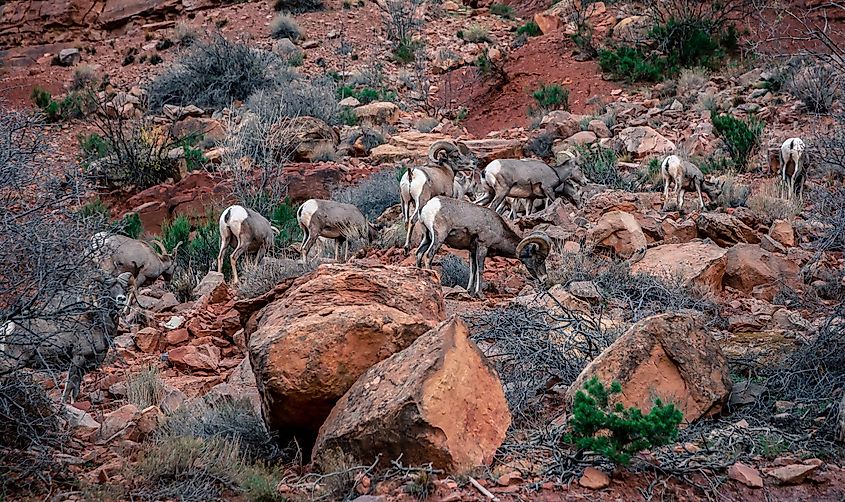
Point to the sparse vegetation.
(551, 97)
(213, 73)
(817, 86)
(257, 279)
(501, 10)
(298, 6)
(145, 388)
(373, 194)
(476, 34)
(284, 26)
(599, 165)
(741, 137)
(617, 432)
(530, 29)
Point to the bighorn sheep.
(332, 220)
(445, 158)
(482, 231)
(530, 179)
(793, 167)
(76, 342)
(115, 254)
(248, 231)
(686, 176)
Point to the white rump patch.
(429, 212)
(306, 212)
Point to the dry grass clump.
(145, 388)
(767, 204)
(257, 279)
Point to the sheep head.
(116, 289)
(455, 155)
(168, 260)
(532, 251)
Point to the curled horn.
(125, 279)
(176, 249)
(464, 149)
(438, 149)
(543, 242)
(160, 246)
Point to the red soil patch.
(546, 59)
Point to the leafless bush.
(135, 151)
(255, 148)
(214, 73)
(455, 271)
(766, 203)
(829, 151)
(297, 96)
(401, 19)
(733, 193)
(46, 278)
(691, 80)
(261, 278)
(637, 296)
(284, 26)
(535, 346)
(85, 77)
(372, 195)
(829, 212)
(817, 86)
(30, 433)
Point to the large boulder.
(725, 229)
(667, 356)
(378, 113)
(643, 140)
(312, 343)
(750, 267)
(304, 135)
(437, 401)
(619, 231)
(116, 12)
(698, 263)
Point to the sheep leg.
(412, 220)
(74, 380)
(307, 244)
(479, 256)
(498, 203)
(433, 247)
(236, 254)
(224, 243)
(424, 243)
(700, 198)
(473, 270)
(681, 193)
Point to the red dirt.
(545, 59)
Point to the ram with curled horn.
(481, 231)
(117, 254)
(437, 178)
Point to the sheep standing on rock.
(793, 160)
(248, 231)
(686, 176)
(481, 231)
(332, 220)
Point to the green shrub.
(284, 26)
(616, 432)
(599, 165)
(348, 117)
(283, 218)
(175, 231)
(476, 34)
(93, 146)
(631, 64)
(406, 51)
(130, 225)
(194, 157)
(551, 97)
(366, 95)
(741, 137)
(202, 249)
(530, 29)
(501, 10)
(296, 59)
(94, 209)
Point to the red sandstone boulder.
(667, 356)
(725, 229)
(749, 266)
(312, 343)
(698, 263)
(437, 401)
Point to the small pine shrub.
(175, 231)
(615, 432)
(741, 137)
(501, 10)
(130, 225)
(631, 65)
(599, 165)
(95, 210)
(93, 146)
(194, 157)
(530, 29)
(201, 251)
(284, 26)
(476, 34)
(283, 217)
(551, 97)
(296, 59)
(348, 117)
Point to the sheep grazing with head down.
(332, 220)
(248, 231)
(481, 231)
(418, 185)
(686, 176)
(793, 162)
(115, 254)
